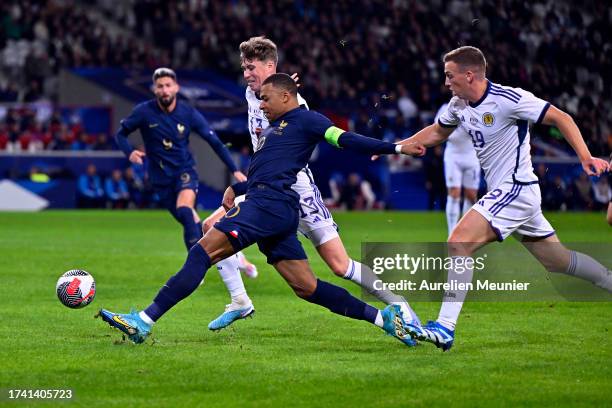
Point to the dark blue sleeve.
(128, 125)
(364, 144)
(316, 123)
(202, 128)
(240, 188)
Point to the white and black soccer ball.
(76, 288)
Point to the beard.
(165, 102)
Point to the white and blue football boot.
(230, 315)
(130, 323)
(433, 332)
(394, 325)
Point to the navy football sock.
(191, 235)
(182, 284)
(341, 302)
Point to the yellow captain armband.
(332, 134)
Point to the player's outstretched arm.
(432, 135)
(568, 128)
(368, 145)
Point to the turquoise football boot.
(230, 316)
(131, 324)
(394, 325)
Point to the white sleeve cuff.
(398, 148)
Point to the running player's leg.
(289, 259)
(334, 254)
(453, 177)
(470, 182)
(317, 224)
(210, 249)
(240, 305)
(187, 188)
(556, 258)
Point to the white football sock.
(379, 320)
(241, 259)
(452, 302)
(587, 268)
(230, 275)
(145, 318)
(452, 212)
(363, 276)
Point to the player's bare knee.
(207, 224)
(303, 290)
(454, 192)
(458, 243)
(471, 195)
(339, 266)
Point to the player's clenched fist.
(136, 156)
(413, 149)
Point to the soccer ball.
(76, 288)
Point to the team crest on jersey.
(185, 178)
(488, 119)
(281, 126)
(181, 129)
(167, 144)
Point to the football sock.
(143, 316)
(191, 232)
(339, 301)
(459, 274)
(587, 268)
(230, 275)
(467, 204)
(452, 212)
(242, 262)
(363, 276)
(182, 284)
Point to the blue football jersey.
(166, 138)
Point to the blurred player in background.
(269, 216)
(497, 120)
(259, 59)
(165, 124)
(610, 203)
(461, 170)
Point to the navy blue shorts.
(272, 224)
(168, 192)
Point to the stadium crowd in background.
(564, 49)
(21, 130)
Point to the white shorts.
(515, 208)
(461, 174)
(316, 222)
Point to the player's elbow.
(610, 214)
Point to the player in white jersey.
(259, 58)
(461, 170)
(497, 120)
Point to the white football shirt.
(498, 125)
(257, 119)
(459, 146)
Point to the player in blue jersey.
(269, 217)
(165, 124)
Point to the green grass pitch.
(292, 353)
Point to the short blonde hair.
(259, 48)
(467, 56)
